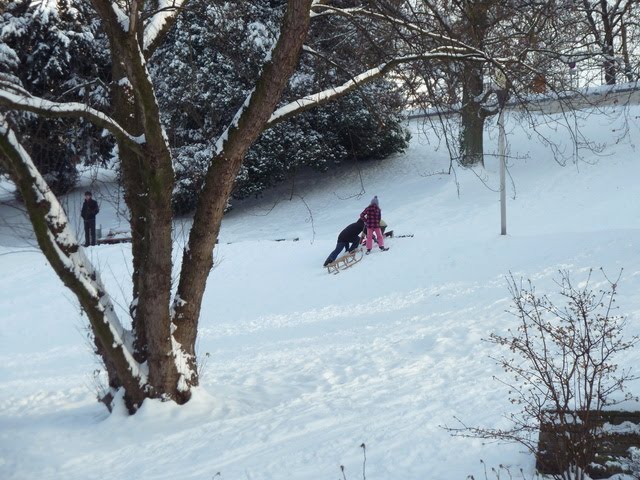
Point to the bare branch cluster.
(560, 370)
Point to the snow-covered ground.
(301, 368)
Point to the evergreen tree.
(53, 52)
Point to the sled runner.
(345, 261)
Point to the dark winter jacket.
(371, 216)
(351, 233)
(89, 209)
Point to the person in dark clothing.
(89, 211)
(348, 239)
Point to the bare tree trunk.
(628, 69)
(148, 185)
(165, 332)
(609, 64)
(472, 118)
(609, 15)
(475, 23)
(253, 117)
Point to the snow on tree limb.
(123, 20)
(59, 244)
(220, 143)
(160, 22)
(325, 96)
(17, 98)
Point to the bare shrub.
(560, 370)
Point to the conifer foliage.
(221, 47)
(56, 53)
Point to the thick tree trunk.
(472, 118)
(610, 68)
(148, 184)
(475, 24)
(609, 64)
(253, 117)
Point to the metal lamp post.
(502, 95)
(503, 190)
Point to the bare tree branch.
(58, 242)
(325, 96)
(17, 98)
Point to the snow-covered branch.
(60, 246)
(160, 22)
(325, 96)
(17, 98)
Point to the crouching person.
(348, 240)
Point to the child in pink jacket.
(372, 216)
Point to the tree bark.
(475, 23)
(251, 120)
(472, 118)
(148, 185)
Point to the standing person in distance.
(348, 239)
(372, 216)
(89, 211)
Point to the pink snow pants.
(379, 237)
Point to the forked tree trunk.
(165, 331)
(251, 120)
(157, 358)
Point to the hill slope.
(299, 367)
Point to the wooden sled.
(345, 261)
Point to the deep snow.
(300, 368)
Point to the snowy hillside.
(300, 368)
